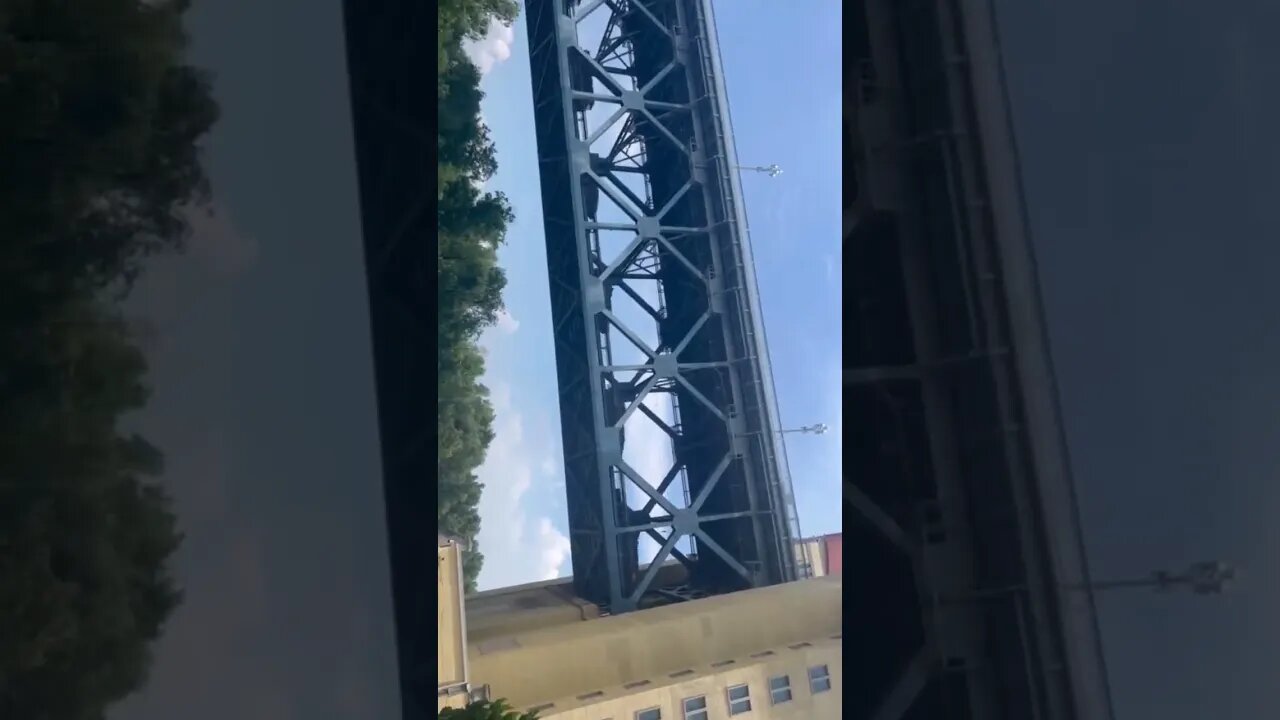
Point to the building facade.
(771, 652)
(822, 555)
(452, 686)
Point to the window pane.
(650, 714)
(739, 699)
(695, 703)
(779, 683)
(819, 679)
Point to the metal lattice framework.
(655, 308)
(961, 498)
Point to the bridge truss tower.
(668, 416)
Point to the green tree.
(102, 158)
(461, 20)
(101, 164)
(486, 710)
(471, 226)
(85, 527)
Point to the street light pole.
(770, 170)
(1202, 578)
(818, 429)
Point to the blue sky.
(781, 66)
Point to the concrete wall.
(451, 639)
(811, 553)
(712, 684)
(513, 610)
(535, 666)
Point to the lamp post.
(818, 429)
(1202, 578)
(770, 170)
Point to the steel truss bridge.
(642, 208)
(962, 534)
(967, 602)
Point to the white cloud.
(494, 48)
(548, 466)
(553, 550)
(514, 551)
(218, 242)
(507, 324)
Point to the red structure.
(833, 553)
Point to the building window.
(650, 714)
(739, 700)
(819, 679)
(780, 689)
(695, 708)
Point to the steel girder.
(641, 209)
(393, 115)
(935, 350)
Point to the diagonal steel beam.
(657, 79)
(724, 555)
(640, 396)
(675, 198)
(604, 126)
(586, 9)
(693, 331)
(663, 486)
(711, 481)
(622, 328)
(880, 520)
(656, 564)
(662, 128)
(631, 292)
(652, 18)
(643, 483)
(702, 398)
(910, 684)
(623, 202)
(679, 255)
(675, 552)
(670, 431)
(625, 257)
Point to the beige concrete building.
(768, 652)
(451, 681)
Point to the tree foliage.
(486, 710)
(100, 163)
(469, 20)
(471, 225)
